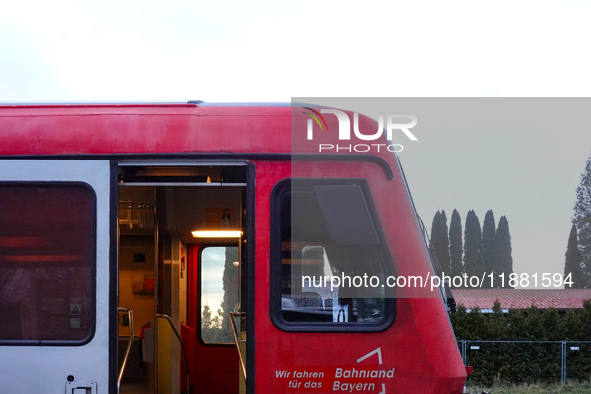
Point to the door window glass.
(218, 293)
(47, 262)
(331, 259)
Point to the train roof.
(152, 128)
(72, 108)
(145, 104)
(117, 128)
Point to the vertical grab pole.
(178, 335)
(131, 335)
(237, 341)
(240, 256)
(156, 291)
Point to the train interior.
(181, 242)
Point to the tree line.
(486, 251)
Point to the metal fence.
(527, 361)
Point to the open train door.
(187, 226)
(55, 280)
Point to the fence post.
(563, 364)
(464, 351)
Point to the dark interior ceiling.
(178, 210)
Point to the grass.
(571, 388)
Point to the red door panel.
(416, 354)
(214, 368)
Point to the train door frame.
(247, 257)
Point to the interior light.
(217, 234)
(235, 263)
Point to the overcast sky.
(272, 51)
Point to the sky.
(273, 51)
(519, 157)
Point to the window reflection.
(219, 293)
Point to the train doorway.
(182, 251)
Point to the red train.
(166, 248)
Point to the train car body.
(101, 208)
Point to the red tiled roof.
(522, 298)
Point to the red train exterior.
(415, 352)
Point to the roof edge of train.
(133, 103)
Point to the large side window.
(330, 259)
(47, 263)
(218, 293)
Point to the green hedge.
(524, 362)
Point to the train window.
(329, 258)
(218, 293)
(47, 263)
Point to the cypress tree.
(582, 220)
(455, 244)
(443, 244)
(489, 252)
(503, 255)
(435, 226)
(473, 262)
(573, 261)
